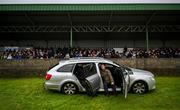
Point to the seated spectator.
(46, 53)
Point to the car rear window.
(53, 66)
(66, 68)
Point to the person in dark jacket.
(107, 79)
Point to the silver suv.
(64, 77)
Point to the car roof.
(85, 59)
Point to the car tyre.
(139, 87)
(69, 88)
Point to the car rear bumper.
(50, 86)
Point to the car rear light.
(48, 76)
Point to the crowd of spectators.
(153, 53)
(46, 53)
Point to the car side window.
(108, 66)
(114, 69)
(90, 69)
(66, 68)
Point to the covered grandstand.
(90, 25)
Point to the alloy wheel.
(69, 88)
(139, 88)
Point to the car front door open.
(126, 80)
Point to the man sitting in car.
(107, 79)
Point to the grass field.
(29, 94)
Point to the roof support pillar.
(147, 38)
(147, 31)
(71, 36)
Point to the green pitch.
(29, 94)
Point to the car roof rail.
(76, 58)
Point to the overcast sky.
(83, 1)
